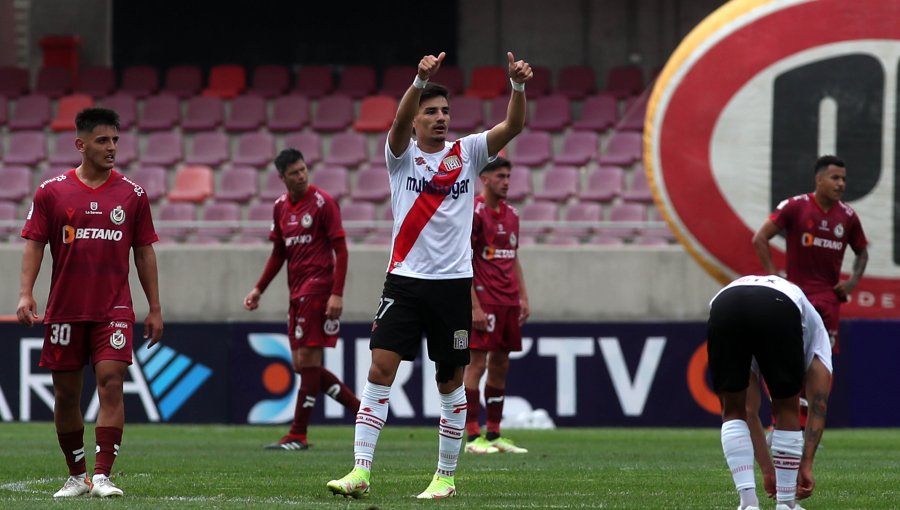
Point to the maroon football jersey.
(494, 246)
(816, 240)
(307, 230)
(91, 232)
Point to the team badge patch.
(117, 215)
(94, 206)
(839, 231)
(298, 332)
(452, 163)
(460, 339)
(306, 221)
(117, 340)
(512, 240)
(331, 326)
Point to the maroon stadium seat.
(261, 214)
(97, 81)
(140, 81)
(270, 81)
(560, 184)
(254, 149)
(624, 81)
(14, 81)
(32, 112)
(561, 239)
(154, 180)
(639, 191)
(204, 113)
(376, 152)
(579, 148)
(226, 214)
(624, 148)
(310, 144)
(598, 113)
(208, 148)
(163, 149)
(16, 183)
(628, 213)
(537, 212)
(126, 150)
(123, 104)
(181, 212)
(576, 82)
(551, 113)
(656, 232)
(376, 114)
(64, 152)
(9, 212)
(467, 114)
(532, 148)
(358, 218)
(314, 81)
(238, 184)
(540, 83)
(26, 148)
(4, 110)
(226, 81)
(357, 82)
(53, 81)
(333, 179)
(248, 113)
(289, 113)
(347, 149)
(633, 119)
(183, 81)
(335, 113)
(586, 214)
(603, 184)
(372, 185)
(160, 113)
(273, 187)
(519, 184)
(498, 107)
(397, 79)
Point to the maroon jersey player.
(307, 233)
(818, 227)
(92, 217)
(499, 307)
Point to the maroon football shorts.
(71, 345)
(504, 333)
(307, 325)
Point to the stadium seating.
(126, 150)
(624, 148)
(270, 81)
(372, 185)
(536, 212)
(532, 148)
(588, 214)
(254, 149)
(140, 81)
(310, 144)
(639, 191)
(154, 180)
(606, 240)
(347, 149)
(26, 148)
(261, 214)
(498, 107)
(358, 219)
(203, 113)
(656, 232)
(633, 119)
(333, 179)
(53, 82)
(335, 113)
(163, 148)
(576, 82)
(314, 81)
(172, 212)
(96, 81)
(376, 114)
(451, 77)
(123, 104)
(623, 81)
(579, 148)
(540, 83)
(376, 152)
(225, 214)
(397, 79)
(238, 184)
(247, 113)
(16, 183)
(357, 81)
(32, 112)
(64, 153)
(598, 113)
(193, 183)
(466, 114)
(520, 187)
(551, 113)
(4, 110)
(160, 113)
(488, 82)
(9, 213)
(183, 81)
(67, 108)
(273, 187)
(14, 82)
(208, 148)
(560, 183)
(226, 81)
(603, 184)
(561, 239)
(626, 213)
(289, 113)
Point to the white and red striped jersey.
(432, 198)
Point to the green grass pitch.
(224, 467)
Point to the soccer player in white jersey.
(429, 275)
(766, 325)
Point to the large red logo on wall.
(746, 104)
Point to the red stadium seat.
(579, 148)
(193, 183)
(488, 82)
(451, 77)
(467, 114)
(226, 81)
(376, 114)
(629, 214)
(219, 220)
(126, 150)
(358, 219)
(64, 152)
(67, 109)
(8, 212)
(540, 83)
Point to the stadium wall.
(580, 283)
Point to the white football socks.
(738, 450)
(373, 411)
(787, 447)
(451, 430)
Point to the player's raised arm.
(501, 134)
(401, 129)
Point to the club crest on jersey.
(460, 339)
(94, 206)
(839, 231)
(331, 326)
(298, 332)
(306, 221)
(292, 220)
(513, 240)
(117, 340)
(117, 215)
(452, 163)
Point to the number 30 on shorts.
(60, 334)
(383, 305)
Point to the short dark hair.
(827, 160)
(434, 90)
(498, 162)
(286, 158)
(89, 118)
